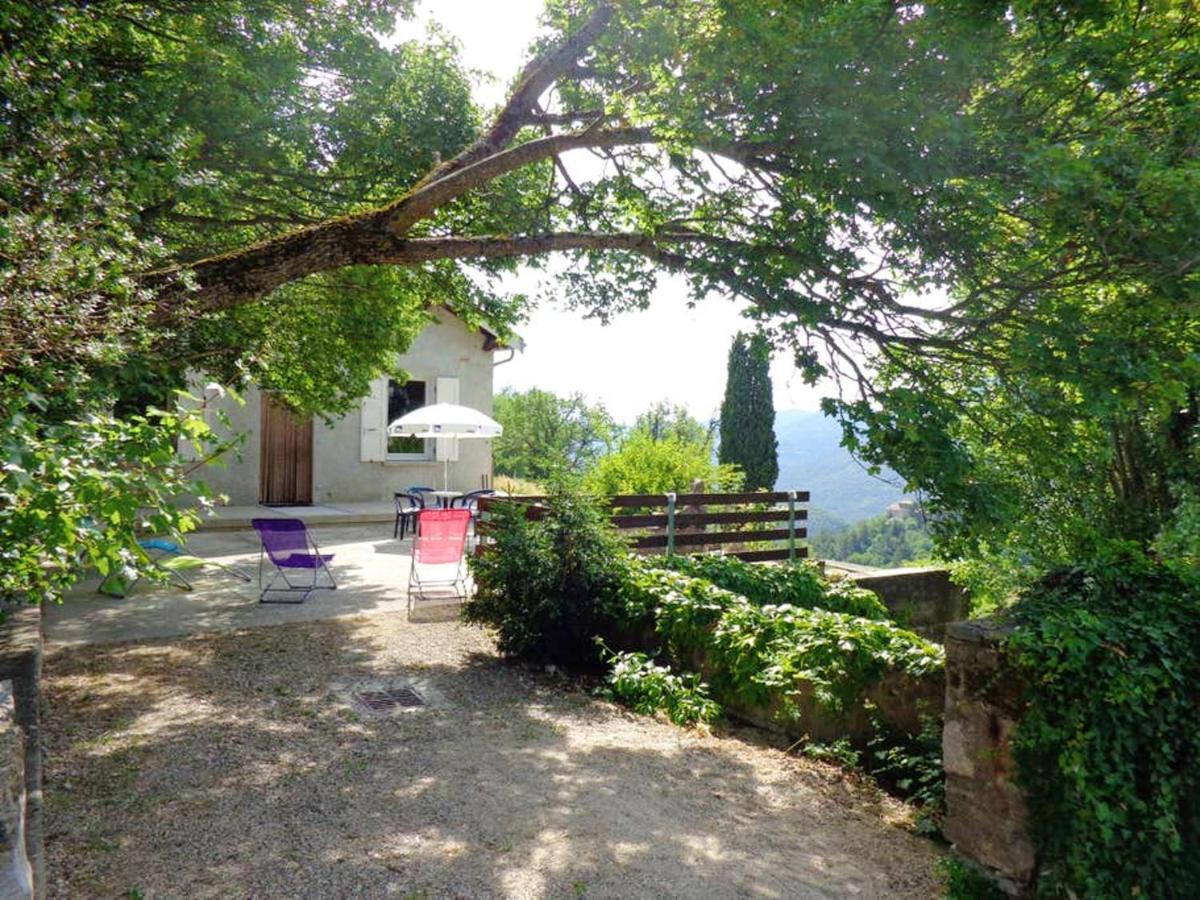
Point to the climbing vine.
(800, 584)
(780, 651)
(1109, 747)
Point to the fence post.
(671, 523)
(791, 527)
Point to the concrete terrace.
(370, 566)
(235, 516)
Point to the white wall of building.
(448, 357)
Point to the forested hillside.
(812, 459)
(878, 541)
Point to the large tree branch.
(234, 278)
(423, 201)
(535, 80)
(223, 281)
(418, 250)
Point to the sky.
(668, 352)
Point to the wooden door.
(285, 458)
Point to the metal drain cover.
(387, 695)
(389, 699)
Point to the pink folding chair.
(440, 540)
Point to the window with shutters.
(403, 398)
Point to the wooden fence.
(741, 520)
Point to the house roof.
(491, 335)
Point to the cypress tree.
(748, 413)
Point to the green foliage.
(871, 155)
(548, 587)
(642, 465)
(950, 150)
(195, 130)
(963, 881)
(546, 435)
(76, 494)
(993, 579)
(879, 541)
(748, 413)
(1108, 749)
(911, 766)
(518, 487)
(637, 682)
(666, 421)
(840, 752)
(799, 584)
(1180, 536)
(782, 651)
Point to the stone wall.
(22, 863)
(16, 872)
(921, 598)
(901, 702)
(986, 815)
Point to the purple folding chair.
(289, 546)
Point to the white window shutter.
(447, 392)
(373, 428)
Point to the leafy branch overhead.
(981, 219)
(869, 155)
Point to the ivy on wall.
(1109, 748)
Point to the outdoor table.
(445, 497)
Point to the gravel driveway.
(237, 765)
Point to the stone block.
(986, 814)
(921, 598)
(16, 872)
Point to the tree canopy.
(664, 421)
(546, 435)
(981, 217)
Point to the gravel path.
(227, 766)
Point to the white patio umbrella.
(445, 420)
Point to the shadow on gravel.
(225, 765)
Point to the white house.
(290, 462)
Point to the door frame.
(287, 443)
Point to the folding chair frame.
(417, 587)
(113, 586)
(172, 549)
(294, 587)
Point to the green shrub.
(643, 465)
(841, 752)
(548, 588)
(799, 584)
(963, 881)
(775, 650)
(911, 767)
(637, 682)
(1108, 749)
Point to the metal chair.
(170, 557)
(407, 507)
(290, 546)
(439, 540)
(420, 492)
(470, 500)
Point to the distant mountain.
(812, 459)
